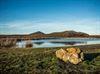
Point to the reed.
(7, 42)
(29, 44)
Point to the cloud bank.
(26, 27)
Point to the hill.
(41, 35)
(37, 35)
(68, 34)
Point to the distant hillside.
(95, 36)
(41, 35)
(37, 35)
(68, 34)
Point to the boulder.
(60, 53)
(73, 50)
(73, 55)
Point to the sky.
(28, 16)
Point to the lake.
(59, 42)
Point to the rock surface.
(73, 55)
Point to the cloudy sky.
(27, 16)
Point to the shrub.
(29, 44)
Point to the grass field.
(44, 61)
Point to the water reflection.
(68, 43)
(58, 42)
(38, 43)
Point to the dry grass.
(29, 44)
(7, 42)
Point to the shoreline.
(93, 48)
(69, 46)
(96, 46)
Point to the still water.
(59, 42)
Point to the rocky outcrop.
(72, 55)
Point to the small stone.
(82, 55)
(78, 50)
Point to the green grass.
(44, 61)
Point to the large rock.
(60, 53)
(73, 55)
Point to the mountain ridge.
(41, 35)
(60, 34)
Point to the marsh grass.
(7, 42)
(29, 44)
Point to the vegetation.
(7, 42)
(43, 61)
(29, 44)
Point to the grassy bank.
(43, 61)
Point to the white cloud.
(87, 26)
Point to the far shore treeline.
(41, 35)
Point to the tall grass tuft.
(29, 44)
(7, 42)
